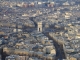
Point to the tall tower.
(39, 26)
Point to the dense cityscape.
(39, 30)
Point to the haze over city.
(39, 29)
